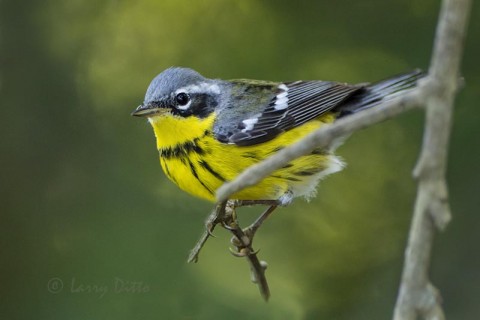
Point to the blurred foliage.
(84, 200)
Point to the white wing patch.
(281, 100)
(250, 123)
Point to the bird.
(210, 130)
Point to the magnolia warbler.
(210, 130)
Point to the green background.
(84, 201)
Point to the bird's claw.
(209, 228)
(242, 253)
(228, 226)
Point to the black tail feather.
(378, 92)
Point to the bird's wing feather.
(287, 105)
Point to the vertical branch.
(417, 296)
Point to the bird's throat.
(171, 130)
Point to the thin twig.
(212, 220)
(243, 243)
(224, 214)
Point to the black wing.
(290, 105)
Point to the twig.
(212, 220)
(224, 214)
(322, 138)
(417, 296)
(243, 243)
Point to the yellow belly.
(194, 160)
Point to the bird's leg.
(249, 232)
(253, 228)
(225, 214)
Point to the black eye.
(182, 98)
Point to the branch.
(322, 138)
(417, 296)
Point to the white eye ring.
(183, 100)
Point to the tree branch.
(322, 138)
(417, 296)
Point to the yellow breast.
(194, 160)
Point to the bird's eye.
(182, 98)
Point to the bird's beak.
(145, 110)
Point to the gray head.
(180, 91)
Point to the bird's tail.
(375, 93)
